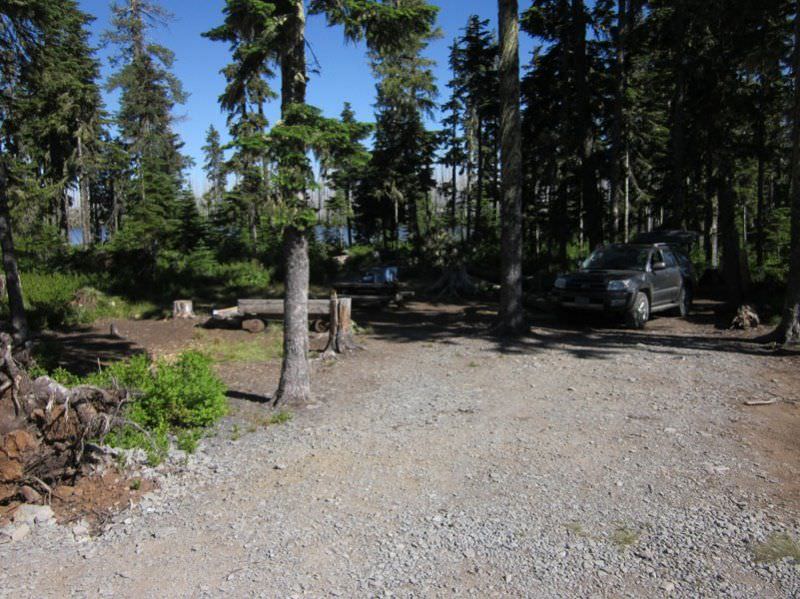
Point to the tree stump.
(254, 325)
(340, 335)
(183, 309)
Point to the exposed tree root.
(45, 426)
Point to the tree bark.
(16, 305)
(479, 195)
(619, 35)
(592, 200)
(511, 314)
(788, 330)
(87, 235)
(295, 384)
(731, 250)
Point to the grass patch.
(280, 417)
(473, 364)
(260, 348)
(776, 548)
(362, 330)
(576, 528)
(624, 536)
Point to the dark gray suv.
(630, 279)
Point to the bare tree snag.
(183, 309)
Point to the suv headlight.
(561, 283)
(618, 285)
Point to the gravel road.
(584, 463)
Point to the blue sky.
(344, 73)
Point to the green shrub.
(55, 300)
(243, 275)
(48, 297)
(179, 397)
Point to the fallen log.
(45, 427)
(274, 307)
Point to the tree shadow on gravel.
(587, 338)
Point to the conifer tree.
(214, 167)
(148, 93)
(344, 166)
(49, 110)
(266, 34)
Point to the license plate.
(582, 301)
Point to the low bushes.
(179, 397)
(55, 300)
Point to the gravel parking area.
(588, 462)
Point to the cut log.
(254, 325)
(320, 325)
(183, 309)
(274, 307)
(340, 335)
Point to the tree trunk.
(511, 315)
(63, 215)
(349, 217)
(619, 101)
(592, 199)
(467, 202)
(454, 190)
(295, 384)
(731, 250)
(677, 141)
(87, 235)
(479, 194)
(788, 330)
(16, 305)
(760, 208)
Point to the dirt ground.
(772, 431)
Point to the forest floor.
(575, 462)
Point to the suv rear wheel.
(639, 312)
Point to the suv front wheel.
(639, 312)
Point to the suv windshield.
(617, 257)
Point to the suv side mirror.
(659, 265)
